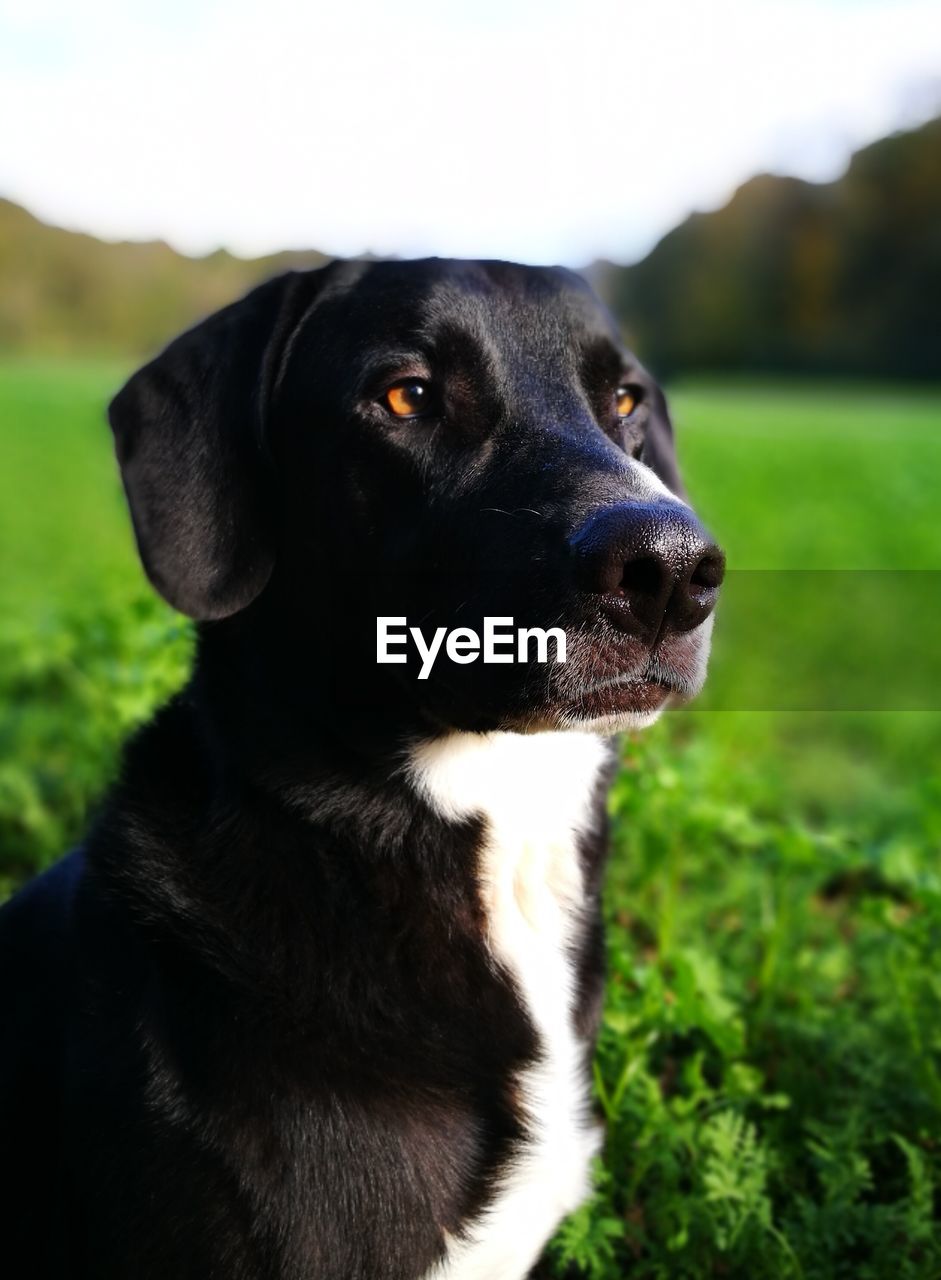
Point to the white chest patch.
(534, 791)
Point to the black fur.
(252, 1028)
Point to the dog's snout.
(654, 564)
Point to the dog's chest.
(535, 793)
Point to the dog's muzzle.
(654, 568)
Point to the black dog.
(317, 999)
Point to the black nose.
(655, 566)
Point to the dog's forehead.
(501, 302)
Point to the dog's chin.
(619, 705)
(615, 706)
(609, 725)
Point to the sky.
(529, 129)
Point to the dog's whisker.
(516, 511)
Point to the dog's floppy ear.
(659, 451)
(189, 433)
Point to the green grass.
(86, 650)
(770, 1058)
(815, 476)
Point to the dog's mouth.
(633, 686)
(625, 695)
(596, 678)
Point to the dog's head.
(438, 441)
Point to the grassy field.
(770, 1061)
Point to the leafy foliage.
(769, 1066)
(74, 687)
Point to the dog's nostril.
(709, 572)
(659, 562)
(643, 576)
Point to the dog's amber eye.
(626, 402)
(408, 399)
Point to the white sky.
(529, 129)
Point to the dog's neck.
(284, 686)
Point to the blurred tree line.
(788, 277)
(798, 277)
(62, 292)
